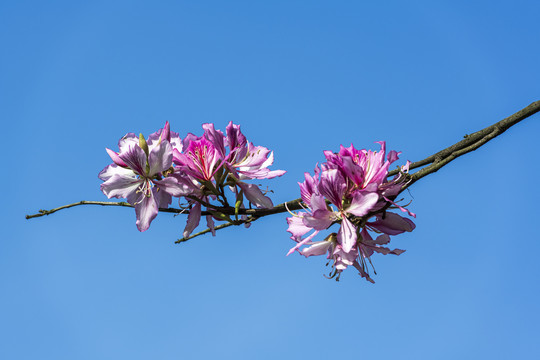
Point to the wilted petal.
(400, 207)
(210, 224)
(382, 239)
(366, 242)
(362, 272)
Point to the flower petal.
(135, 158)
(115, 158)
(319, 219)
(160, 158)
(255, 195)
(146, 211)
(303, 242)
(193, 219)
(163, 198)
(297, 227)
(216, 137)
(362, 203)
(343, 259)
(127, 141)
(347, 235)
(392, 224)
(317, 248)
(113, 169)
(235, 138)
(172, 186)
(120, 186)
(332, 185)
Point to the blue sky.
(300, 77)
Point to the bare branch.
(470, 142)
(102, 203)
(219, 227)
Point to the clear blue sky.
(300, 77)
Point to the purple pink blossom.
(349, 187)
(150, 172)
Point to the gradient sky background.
(300, 77)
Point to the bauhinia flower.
(212, 162)
(140, 173)
(349, 188)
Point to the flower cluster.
(350, 189)
(150, 172)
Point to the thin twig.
(83, 202)
(219, 227)
(102, 203)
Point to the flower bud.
(143, 144)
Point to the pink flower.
(200, 159)
(350, 185)
(140, 174)
(213, 162)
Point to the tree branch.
(435, 162)
(469, 143)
